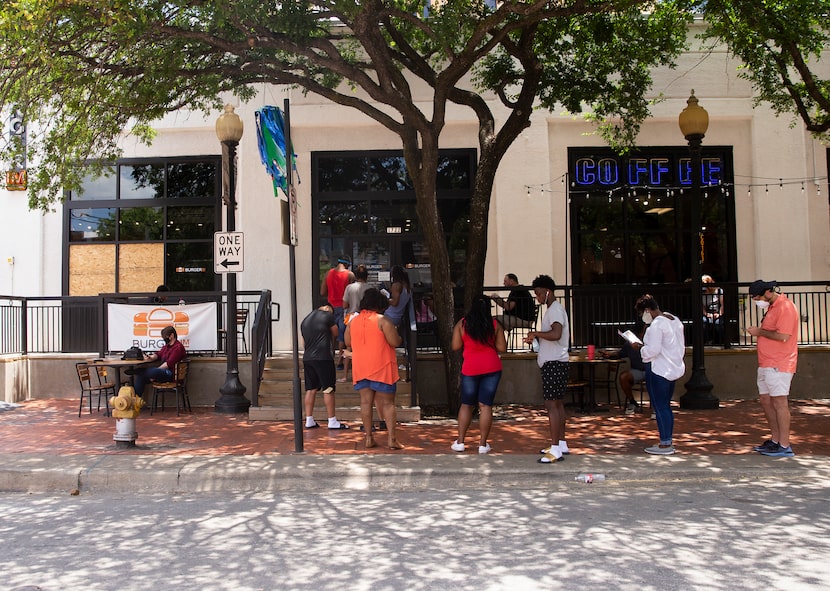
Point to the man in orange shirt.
(777, 359)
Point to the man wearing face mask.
(170, 354)
(777, 359)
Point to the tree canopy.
(781, 45)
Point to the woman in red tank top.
(373, 339)
(482, 339)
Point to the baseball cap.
(760, 287)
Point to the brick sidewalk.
(52, 427)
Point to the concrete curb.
(306, 473)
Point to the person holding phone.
(552, 358)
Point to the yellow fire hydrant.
(126, 408)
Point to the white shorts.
(774, 382)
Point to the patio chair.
(91, 386)
(178, 387)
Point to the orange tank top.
(373, 358)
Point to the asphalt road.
(767, 534)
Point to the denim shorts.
(376, 386)
(480, 389)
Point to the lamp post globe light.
(694, 122)
(229, 131)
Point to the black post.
(698, 394)
(232, 399)
(292, 264)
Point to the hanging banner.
(141, 326)
(271, 139)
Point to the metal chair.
(606, 378)
(100, 386)
(241, 320)
(577, 388)
(516, 336)
(178, 387)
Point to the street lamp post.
(694, 121)
(229, 131)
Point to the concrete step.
(349, 414)
(276, 396)
(342, 397)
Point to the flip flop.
(363, 429)
(340, 428)
(314, 426)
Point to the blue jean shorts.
(376, 386)
(480, 389)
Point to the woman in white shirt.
(662, 351)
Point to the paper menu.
(630, 337)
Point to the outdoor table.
(117, 363)
(582, 362)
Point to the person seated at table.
(519, 307)
(635, 374)
(712, 310)
(170, 354)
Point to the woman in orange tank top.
(372, 339)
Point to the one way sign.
(228, 252)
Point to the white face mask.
(647, 318)
(762, 304)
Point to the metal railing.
(261, 340)
(596, 313)
(78, 324)
(68, 324)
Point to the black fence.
(78, 324)
(596, 313)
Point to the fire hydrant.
(126, 407)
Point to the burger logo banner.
(141, 326)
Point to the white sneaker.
(457, 446)
(484, 449)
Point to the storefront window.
(170, 242)
(630, 216)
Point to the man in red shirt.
(777, 359)
(170, 354)
(333, 288)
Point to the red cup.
(591, 351)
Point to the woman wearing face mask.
(662, 351)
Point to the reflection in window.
(190, 266)
(142, 181)
(398, 216)
(388, 174)
(348, 217)
(191, 179)
(99, 188)
(92, 225)
(141, 223)
(189, 222)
